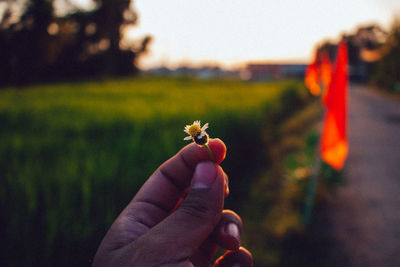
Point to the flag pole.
(315, 170)
(332, 139)
(315, 167)
(312, 185)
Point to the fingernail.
(204, 175)
(233, 230)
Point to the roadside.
(385, 93)
(364, 215)
(358, 224)
(274, 210)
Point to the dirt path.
(364, 216)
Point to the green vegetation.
(274, 212)
(387, 70)
(73, 155)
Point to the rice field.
(73, 154)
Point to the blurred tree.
(36, 44)
(364, 48)
(22, 40)
(387, 71)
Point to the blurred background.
(94, 95)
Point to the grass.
(274, 210)
(138, 100)
(72, 155)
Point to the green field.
(73, 154)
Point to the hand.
(176, 218)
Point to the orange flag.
(326, 74)
(311, 78)
(334, 145)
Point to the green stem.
(210, 152)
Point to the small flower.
(199, 136)
(197, 133)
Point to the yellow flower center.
(194, 130)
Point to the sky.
(231, 33)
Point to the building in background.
(265, 72)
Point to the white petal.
(201, 135)
(186, 130)
(196, 123)
(204, 127)
(187, 138)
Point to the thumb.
(181, 234)
(201, 210)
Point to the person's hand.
(177, 217)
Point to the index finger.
(167, 184)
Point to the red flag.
(334, 145)
(325, 73)
(311, 78)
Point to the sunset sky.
(232, 32)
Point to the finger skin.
(225, 235)
(219, 237)
(226, 185)
(241, 257)
(165, 187)
(179, 236)
(218, 148)
(184, 194)
(155, 200)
